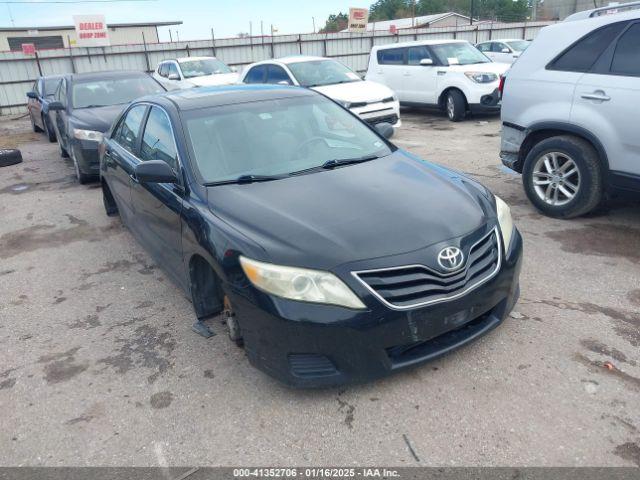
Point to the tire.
(110, 206)
(455, 105)
(63, 152)
(49, 132)
(562, 176)
(10, 157)
(35, 128)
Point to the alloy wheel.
(556, 178)
(451, 107)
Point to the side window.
(484, 47)
(62, 93)
(162, 71)
(276, 74)
(157, 141)
(36, 87)
(129, 129)
(391, 56)
(583, 54)
(256, 74)
(415, 54)
(172, 69)
(626, 58)
(497, 47)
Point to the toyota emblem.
(451, 258)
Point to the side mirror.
(506, 50)
(385, 129)
(155, 171)
(173, 76)
(426, 62)
(33, 95)
(234, 69)
(283, 82)
(56, 106)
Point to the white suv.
(571, 111)
(191, 72)
(452, 75)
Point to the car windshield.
(519, 45)
(276, 137)
(200, 68)
(316, 73)
(458, 54)
(115, 91)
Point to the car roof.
(505, 40)
(186, 59)
(416, 43)
(108, 75)
(207, 97)
(288, 60)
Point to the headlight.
(300, 284)
(87, 135)
(505, 221)
(481, 77)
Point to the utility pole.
(313, 20)
(471, 14)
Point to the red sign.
(393, 29)
(28, 48)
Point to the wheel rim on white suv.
(451, 107)
(556, 178)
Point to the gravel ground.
(99, 366)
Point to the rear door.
(119, 160)
(391, 71)
(607, 100)
(158, 206)
(420, 81)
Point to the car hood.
(360, 91)
(492, 67)
(98, 119)
(212, 80)
(384, 207)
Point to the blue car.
(336, 256)
(38, 100)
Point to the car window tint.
(415, 54)
(157, 141)
(172, 69)
(276, 74)
(626, 59)
(162, 71)
(129, 128)
(497, 47)
(582, 55)
(256, 74)
(392, 56)
(484, 47)
(62, 93)
(35, 87)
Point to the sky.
(226, 17)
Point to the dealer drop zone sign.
(91, 31)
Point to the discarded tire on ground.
(10, 157)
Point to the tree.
(390, 10)
(335, 23)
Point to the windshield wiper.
(245, 179)
(330, 164)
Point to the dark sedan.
(38, 100)
(86, 105)
(336, 256)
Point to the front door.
(420, 81)
(158, 206)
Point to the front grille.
(311, 365)
(392, 119)
(416, 285)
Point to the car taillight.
(503, 79)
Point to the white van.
(452, 75)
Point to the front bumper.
(375, 113)
(85, 152)
(311, 345)
(489, 103)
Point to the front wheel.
(455, 105)
(48, 131)
(562, 177)
(35, 128)
(82, 177)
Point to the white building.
(447, 19)
(12, 38)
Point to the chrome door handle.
(598, 95)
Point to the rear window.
(583, 54)
(391, 56)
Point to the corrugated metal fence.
(19, 71)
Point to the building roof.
(109, 25)
(411, 22)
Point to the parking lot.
(99, 366)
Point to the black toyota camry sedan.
(336, 256)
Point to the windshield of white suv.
(200, 68)
(519, 45)
(316, 73)
(458, 54)
(277, 138)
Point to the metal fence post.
(146, 54)
(38, 63)
(73, 65)
(213, 43)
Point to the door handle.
(132, 176)
(598, 96)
